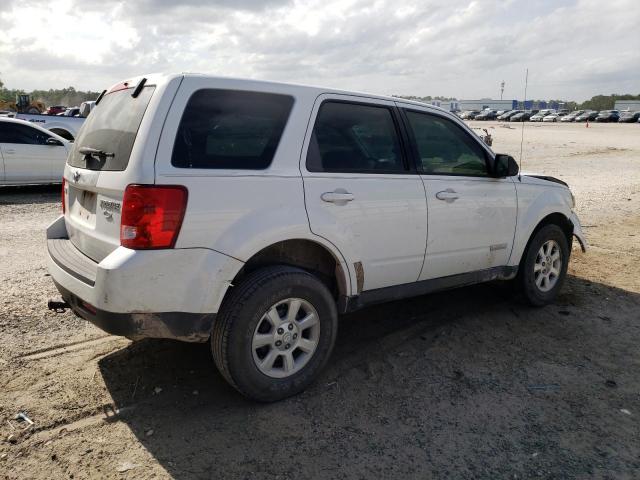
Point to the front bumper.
(173, 293)
(577, 231)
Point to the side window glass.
(230, 129)
(444, 148)
(350, 137)
(21, 134)
(5, 132)
(33, 136)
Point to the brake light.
(152, 216)
(64, 202)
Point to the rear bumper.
(142, 293)
(184, 326)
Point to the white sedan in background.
(553, 117)
(30, 154)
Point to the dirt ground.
(462, 384)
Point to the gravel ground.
(462, 384)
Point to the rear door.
(472, 215)
(27, 157)
(360, 191)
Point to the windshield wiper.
(94, 152)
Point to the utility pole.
(501, 89)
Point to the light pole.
(501, 89)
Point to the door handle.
(339, 197)
(449, 195)
(9, 151)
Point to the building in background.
(449, 105)
(487, 103)
(540, 104)
(632, 105)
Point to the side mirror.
(53, 141)
(505, 166)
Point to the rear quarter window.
(229, 129)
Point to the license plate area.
(83, 206)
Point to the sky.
(574, 49)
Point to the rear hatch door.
(106, 158)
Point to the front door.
(472, 216)
(360, 192)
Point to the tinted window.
(445, 148)
(15, 133)
(354, 138)
(230, 129)
(112, 127)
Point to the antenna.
(524, 107)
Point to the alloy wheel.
(548, 265)
(286, 338)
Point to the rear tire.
(544, 266)
(274, 333)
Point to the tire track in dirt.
(106, 413)
(63, 349)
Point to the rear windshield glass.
(230, 129)
(111, 127)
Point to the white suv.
(250, 214)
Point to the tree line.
(69, 97)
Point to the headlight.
(573, 200)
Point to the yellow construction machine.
(23, 104)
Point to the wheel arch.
(555, 218)
(64, 133)
(310, 255)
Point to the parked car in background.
(86, 107)
(571, 117)
(486, 115)
(148, 245)
(66, 127)
(521, 117)
(629, 117)
(507, 115)
(55, 110)
(553, 117)
(588, 115)
(70, 112)
(469, 114)
(541, 114)
(29, 154)
(607, 116)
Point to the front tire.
(274, 333)
(544, 266)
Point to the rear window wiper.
(94, 152)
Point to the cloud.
(573, 48)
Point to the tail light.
(64, 202)
(152, 216)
